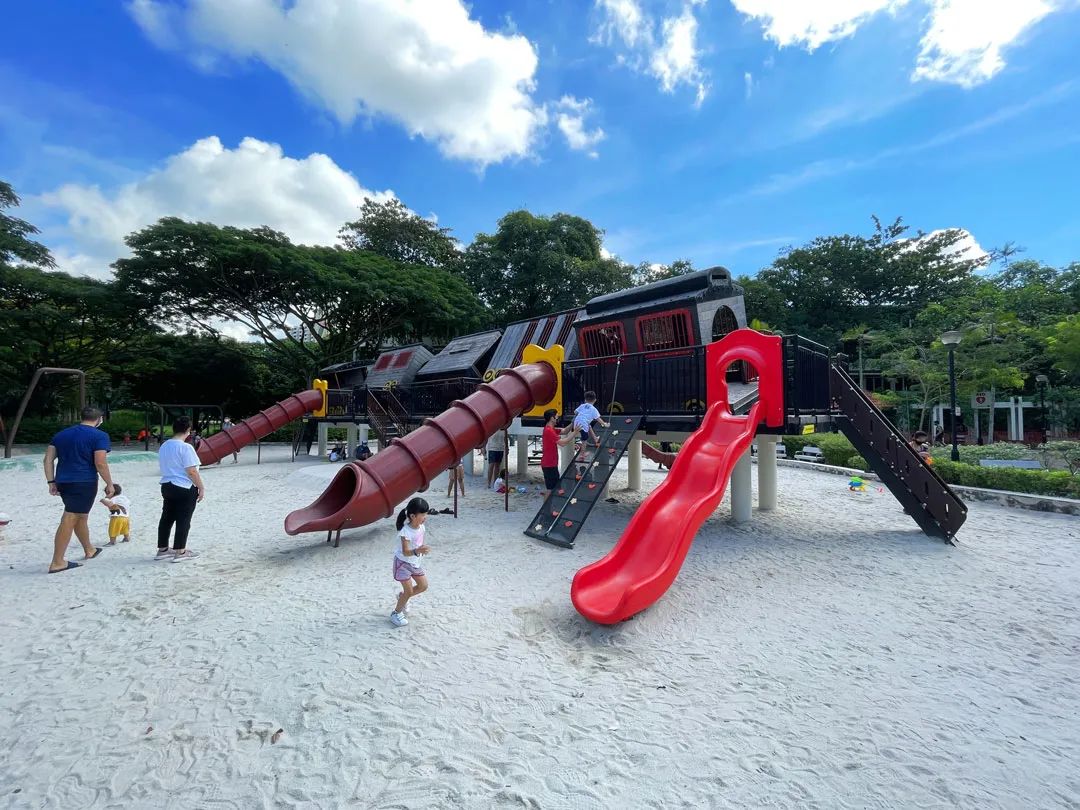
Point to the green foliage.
(834, 446)
(394, 232)
(857, 462)
(973, 453)
(307, 304)
(533, 265)
(1063, 346)
(14, 233)
(1055, 483)
(1060, 454)
(835, 283)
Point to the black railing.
(345, 403)
(670, 383)
(432, 398)
(806, 378)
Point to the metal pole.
(862, 382)
(1042, 407)
(952, 397)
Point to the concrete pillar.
(566, 453)
(364, 431)
(351, 437)
(1019, 419)
(323, 428)
(634, 477)
(766, 472)
(742, 503)
(522, 455)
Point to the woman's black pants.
(177, 508)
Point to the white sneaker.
(186, 554)
(165, 554)
(398, 619)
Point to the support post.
(323, 428)
(634, 475)
(741, 499)
(522, 455)
(351, 436)
(363, 431)
(766, 472)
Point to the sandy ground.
(825, 655)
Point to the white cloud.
(965, 41)
(962, 42)
(812, 24)
(748, 84)
(967, 247)
(422, 63)
(570, 117)
(665, 48)
(308, 199)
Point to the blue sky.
(713, 130)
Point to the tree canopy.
(391, 230)
(534, 264)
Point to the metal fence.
(806, 378)
(657, 383)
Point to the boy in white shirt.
(584, 417)
(119, 507)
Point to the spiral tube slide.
(261, 424)
(366, 491)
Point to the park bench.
(813, 454)
(1021, 463)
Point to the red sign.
(980, 399)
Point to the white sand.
(825, 655)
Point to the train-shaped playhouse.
(670, 361)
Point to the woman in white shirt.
(181, 489)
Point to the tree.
(837, 282)
(533, 265)
(394, 232)
(14, 244)
(1063, 345)
(307, 304)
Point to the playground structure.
(41, 372)
(670, 360)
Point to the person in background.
(363, 451)
(496, 445)
(75, 458)
(456, 480)
(181, 489)
(227, 424)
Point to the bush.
(1060, 454)
(857, 462)
(971, 454)
(1057, 483)
(836, 448)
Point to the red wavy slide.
(650, 552)
(261, 424)
(366, 491)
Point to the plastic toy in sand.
(856, 484)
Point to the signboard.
(981, 399)
(807, 430)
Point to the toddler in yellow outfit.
(119, 515)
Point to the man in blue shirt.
(73, 462)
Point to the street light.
(952, 339)
(1042, 380)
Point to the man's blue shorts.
(78, 496)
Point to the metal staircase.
(567, 508)
(920, 490)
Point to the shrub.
(836, 448)
(1058, 483)
(971, 454)
(857, 462)
(1060, 454)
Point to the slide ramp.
(265, 422)
(366, 491)
(647, 557)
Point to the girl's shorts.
(404, 571)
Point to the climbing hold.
(573, 500)
(568, 523)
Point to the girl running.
(411, 546)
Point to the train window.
(383, 362)
(402, 359)
(603, 340)
(667, 330)
(723, 322)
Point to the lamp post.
(1042, 380)
(951, 339)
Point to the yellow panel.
(320, 385)
(807, 429)
(553, 357)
